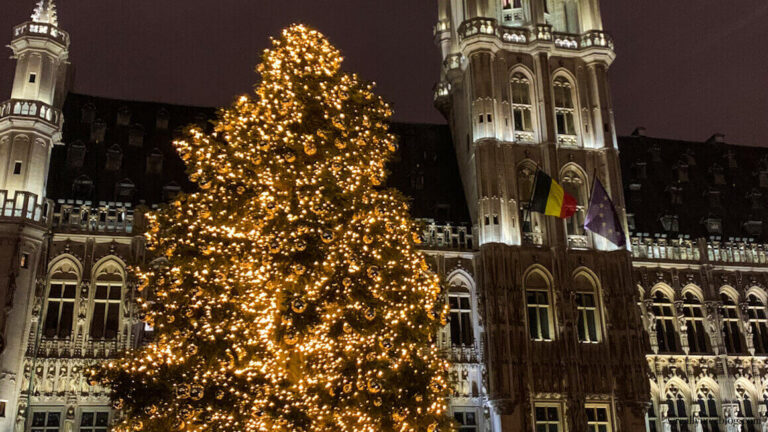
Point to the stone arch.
(695, 290)
(665, 289)
(67, 263)
(465, 280)
(758, 292)
(730, 292)
(111, 266)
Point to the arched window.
(108, 295)
(462, 333)
(575, 185)
(758, 322)
(731, 332)
(694, 323)
(587, 305)
(651, 417)
(522, 108)
(537, 295)
(708, 410)
(746, 409)
(565, 112)
(665, 323)
(677, 413)
(60, 306)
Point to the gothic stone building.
(552, 328)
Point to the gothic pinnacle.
(45, 12)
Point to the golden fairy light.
(291, 296)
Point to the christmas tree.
(289, 295)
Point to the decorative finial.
(45, 12)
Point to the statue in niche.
(50, 380)
(63, 384)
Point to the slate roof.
(113, 144)
(702, 186)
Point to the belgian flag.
(550, 198)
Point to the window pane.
(541, 413)
(455, 328)
(466, 329)
(55, 291)
(544, 322)
(533, 323)
(65, 325)
(464, 303)
(53, 419)
(470, 416)
(97, 323)
(582, 330)
(114, 292)
(591, 325)
(552, 414)
(51, 319)
(101, 292)
(112, 321)
(38, 419)
(86, 419)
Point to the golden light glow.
(292, 297)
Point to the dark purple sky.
(685, 69)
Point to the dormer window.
(123, 116)
(124, 190)
(655, 152)
(161, 121)
(670, 223)
(88, 113)
(682, 172)
(136, 136)
(714, 198)
(675, 194)
(155, 162)
(82, 188)
(114, 158)
(717, 174)
(98, 131)
(76, 155)
(713, 225)
(640, 170)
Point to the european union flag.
(602, 217)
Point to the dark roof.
(702, 186)
(424, 169)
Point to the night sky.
(684, 69)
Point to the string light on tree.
(291, 296)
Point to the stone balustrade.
(488, 27)
(36, 29)
(24, 207)
(33, 110)
(458, 354)
(447, 237)
(442, 89)
(85, 217)
(715, 252)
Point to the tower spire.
(45, 12)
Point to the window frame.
(594, 426)
(731, 317)
(547, 307)
(95, 410)
(583, 311)
(665, 323)
(61, 300)
(521, 97)
(695, 330)
(558, 406)
(566, 137)
(573, 178)
(106, 302)
(47, 410)
(758, 324)
(461, 311)
(464, 410)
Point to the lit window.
(731, 331)
(2, 408)
(565, 111)
(665, 323)
(59, 310)
(106, 310)
(46, 421)
(694, 323)
(24, 262)
(537, 302)
(758, 322)
(461, 320)
(522, 108)
(547, 419)
(598, 419)
(467, 420)
(94, 421)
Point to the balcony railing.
(716, 252)
(36, 29)
(462, 354)
(489, 27)
(665, 249)
(31, 109)
(24, 207)
(82, 217)
(447, 237)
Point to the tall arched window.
(575, 185)
(665, 323)
(588, 307)
(462, 333)
(525, 176)
(731, 331)
(651, 417)
(539, 308)
(677, 413)
(694, 322)
(565, 112)
(107, 298)
(746, 409)
(758, 322)
(522, 108)
(708, 410)
(60, 306)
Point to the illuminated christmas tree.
(291, 296)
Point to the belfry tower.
(524, 86)
(30, 125)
